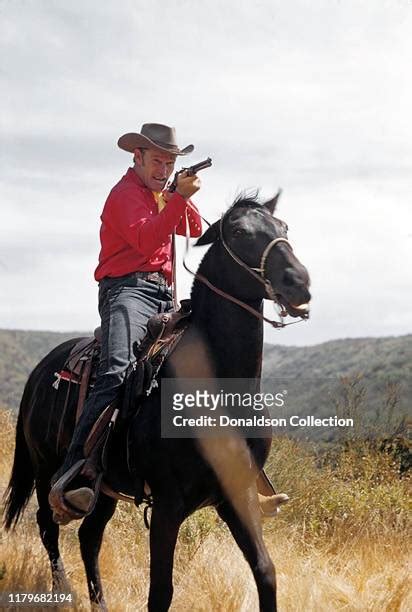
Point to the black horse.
(250, 259)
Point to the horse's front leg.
(242, 516)
(164, 529)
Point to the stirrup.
(63, 511)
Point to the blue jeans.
(125, 305)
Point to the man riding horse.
(135, 276)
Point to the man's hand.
(187, 185)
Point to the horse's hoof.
(270, 504)
(99, 606)
(60, 582)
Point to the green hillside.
(377, 358)
(371, 377)
(20, 351)
(311, 373)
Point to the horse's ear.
(210, 235)
(271, 204)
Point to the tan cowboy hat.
(153, 135)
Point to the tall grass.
(342, 543)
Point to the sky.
(313, 97)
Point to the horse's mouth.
(294, 310)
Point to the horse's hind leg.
(164, 528)
(49, 533)
(244, 522)
(90, 536)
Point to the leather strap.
(84, 384)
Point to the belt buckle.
(154, 276)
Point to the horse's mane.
(246, 198)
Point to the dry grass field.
(341, 544)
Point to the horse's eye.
(238, 231)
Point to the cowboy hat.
(153, 135)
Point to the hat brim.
(131, 141)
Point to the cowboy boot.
(84, 474)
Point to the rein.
(253, 271)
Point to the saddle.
(164, 330)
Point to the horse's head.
(258, 259)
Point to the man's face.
(154, 167)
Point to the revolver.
(190, 171)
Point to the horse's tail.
(21, 483)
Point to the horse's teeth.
(301, 307)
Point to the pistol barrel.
(206, 163)
(191, 170)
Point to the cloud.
(314, 99)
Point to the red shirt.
(135, 236)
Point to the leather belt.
(156, 277)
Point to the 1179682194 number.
(32, 599)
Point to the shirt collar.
(131, 175)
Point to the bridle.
(253, 271)
(257, 273)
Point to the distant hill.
(20, 351)
(378, 373)
(378, 360)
